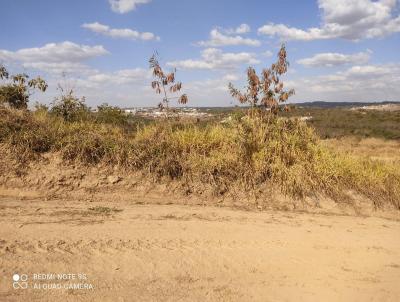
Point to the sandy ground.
(142, 252)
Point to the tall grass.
(283, 154)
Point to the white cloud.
(123, 33)
(120, 77)
(55, 52)
(268, 54)
(59, 67)
(55, 57)
(204, 87)
(126, 87)
(131, 87)
(125, 6)
(217, 39)
(122, 87)
(330, 59)
(290, 33)
(241, 29)
(213, 58)
(357, 83)
(211, 91)
(372, 71)
(230, 77)
(347, 19)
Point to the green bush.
(27, 135)
(14, 96)
(111, 115)
(16, 93)
(70, 107)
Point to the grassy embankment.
(281, 154)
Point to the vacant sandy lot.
(141, 252)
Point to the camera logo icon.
(20, 281)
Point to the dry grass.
(281, 154)
(372, 148)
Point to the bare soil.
(140, 250)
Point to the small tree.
(165, 84)
(111, 115)
(70, 107)
(267, 91)
(16, 93)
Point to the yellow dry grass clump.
(372, 148)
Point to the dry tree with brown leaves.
(164, 83)
(268, 90)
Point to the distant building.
(130, 111)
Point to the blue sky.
(340, 50)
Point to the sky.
(339, 50)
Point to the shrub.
(70, 107)
(110, 115)
(25, 134)
(16, 93)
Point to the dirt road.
(141, 252)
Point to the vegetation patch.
(244, 154)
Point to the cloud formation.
(347, 19)
(213, 58)
(122, 33)
(120, 77)
(241, 29)
(357, 83)
(217, 39)
(330, 59)
(125, 6)
(55, 57)
(267, 53)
